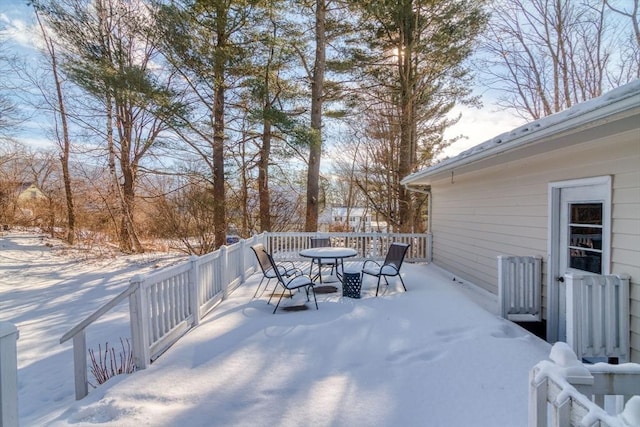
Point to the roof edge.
(619, 100)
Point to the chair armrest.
(293, 266)
(288, 271)
(370, 261)
(295, 272)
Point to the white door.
(579, 240)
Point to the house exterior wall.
(503, 210)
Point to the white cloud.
(478, 126)
(37, 142)
(18, 27)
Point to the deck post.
(243, 267)
(139, 313)
(8, 375)
(224, 260)
(194, 289)
(537, 400)
(80, 364)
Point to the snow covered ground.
(427, 357)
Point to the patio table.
(329, 252)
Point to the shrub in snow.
(107, 364)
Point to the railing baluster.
(176, 316)
(598, 318)
(154, 304)
(610, 333)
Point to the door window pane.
(585, 237)
(586, 213)
(586, 261)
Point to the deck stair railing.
(520, 287)
(598, 315)
(165, 304)
(564, 392)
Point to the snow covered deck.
(429, 356)
(438, 354)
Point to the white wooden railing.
(8, 375)
(564, 392)
(598, 315)
(368, 245)
(164, 305)
(520, 287)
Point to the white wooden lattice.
(598, 315)
(520, 287)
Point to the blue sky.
(476, 125)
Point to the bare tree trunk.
(263, 177)
(244, 191)
(65, 144)
(219, 210)
(317, 94)
(407, 119)
(128, 230)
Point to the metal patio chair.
(286, 268)
(390, 267)
(297, 281)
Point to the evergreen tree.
(414, 58)
(206, 42)
(108, 53)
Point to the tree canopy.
(196, 119)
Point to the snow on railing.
(165, 304)
(598, 315)
(563, 392)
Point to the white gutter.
(619, 102)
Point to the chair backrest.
(262, 256)
(396, 254)
(271, 264)
(320, 242)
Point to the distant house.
(30, 193)
(565, 187)
(29, 201)
(354, 219)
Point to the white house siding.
(504, 210)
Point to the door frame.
(553, 243)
